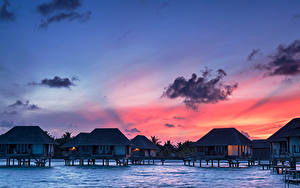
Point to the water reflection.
(171, 174)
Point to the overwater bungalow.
(285, 143)
(223, 143)
(261, 150)
(101, 143)
(143, 147)
(24, 143)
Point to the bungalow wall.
(229, 150)
(27, 149)
(261, 153)
(105, 150)
(144, 152)
(153, 153)
(279, 149)
(294, 146)
(149, 153)
(120, 150)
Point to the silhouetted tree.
(155, 140)
(184, 148)
(61, 141)
(49, 135)
(64, 139)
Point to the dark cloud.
(124, 36)
(6, 15)
(297, 16)
(57, 82)
(59, 10)
(286, 61)
(199, 90)
(178, 118)
(26, 105)
(18, 107)
(253, 53)
(82, 17)
(169, 125)
(58, 5)
(133, 130)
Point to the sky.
(173, 69)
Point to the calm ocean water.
(172, 174)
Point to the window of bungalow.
(101, 149)
(294, 148)
(233, 150)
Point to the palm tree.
(64, 139)
(155, 140)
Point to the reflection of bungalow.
(143, 147)
(224, 142)
(286, 141)
(104, 142)
(260, 150)
(25, 143)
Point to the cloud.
(82, 17)
(58, 5)
(297, 16)
(133, 130)
(199, 90)
(286, 61)
(59, 10)
(124, 35)
(178, 118)
(5, 15)
(253, 53)
(26, 105)
(169, 125)
(56, 82)
(18, 107)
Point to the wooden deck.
(292, 177)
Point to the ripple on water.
(172, 175)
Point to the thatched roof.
(260, 144)
(222, 137)
(101, 136)
(26, 135)
(142, 142)
(292, 128)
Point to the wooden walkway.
(27, 161)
